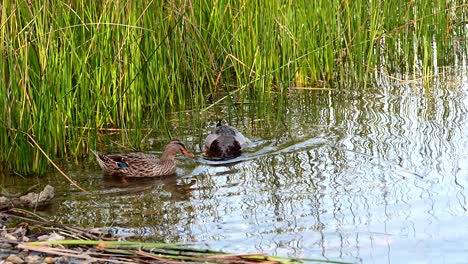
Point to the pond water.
(371, 176)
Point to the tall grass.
(70, 68)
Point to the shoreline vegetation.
(71, 69)
(36, 240)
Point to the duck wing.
(134, 159)
(116, 161)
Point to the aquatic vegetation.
(73, 70)
(100, 247)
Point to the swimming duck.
(224, 142)
(141, 164)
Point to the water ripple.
(363, 176)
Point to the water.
(374, 176)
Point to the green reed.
(70, 68)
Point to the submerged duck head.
(224, 142)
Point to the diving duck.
(141, 164)
(224, 142)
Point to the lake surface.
(376, 175)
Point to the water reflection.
(372, 176)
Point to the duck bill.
(188, 154)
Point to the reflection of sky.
(388, 187)
(349, 176)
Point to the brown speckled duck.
(141, 164)
(224, 142)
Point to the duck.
(138, 164)
(224, 142)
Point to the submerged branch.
(49, 159)
(55, 165)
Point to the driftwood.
(29, 200)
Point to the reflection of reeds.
(67, 66)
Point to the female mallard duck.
(140, 164)
(224, 142)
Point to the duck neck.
(167, 156)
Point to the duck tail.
(100, 158)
